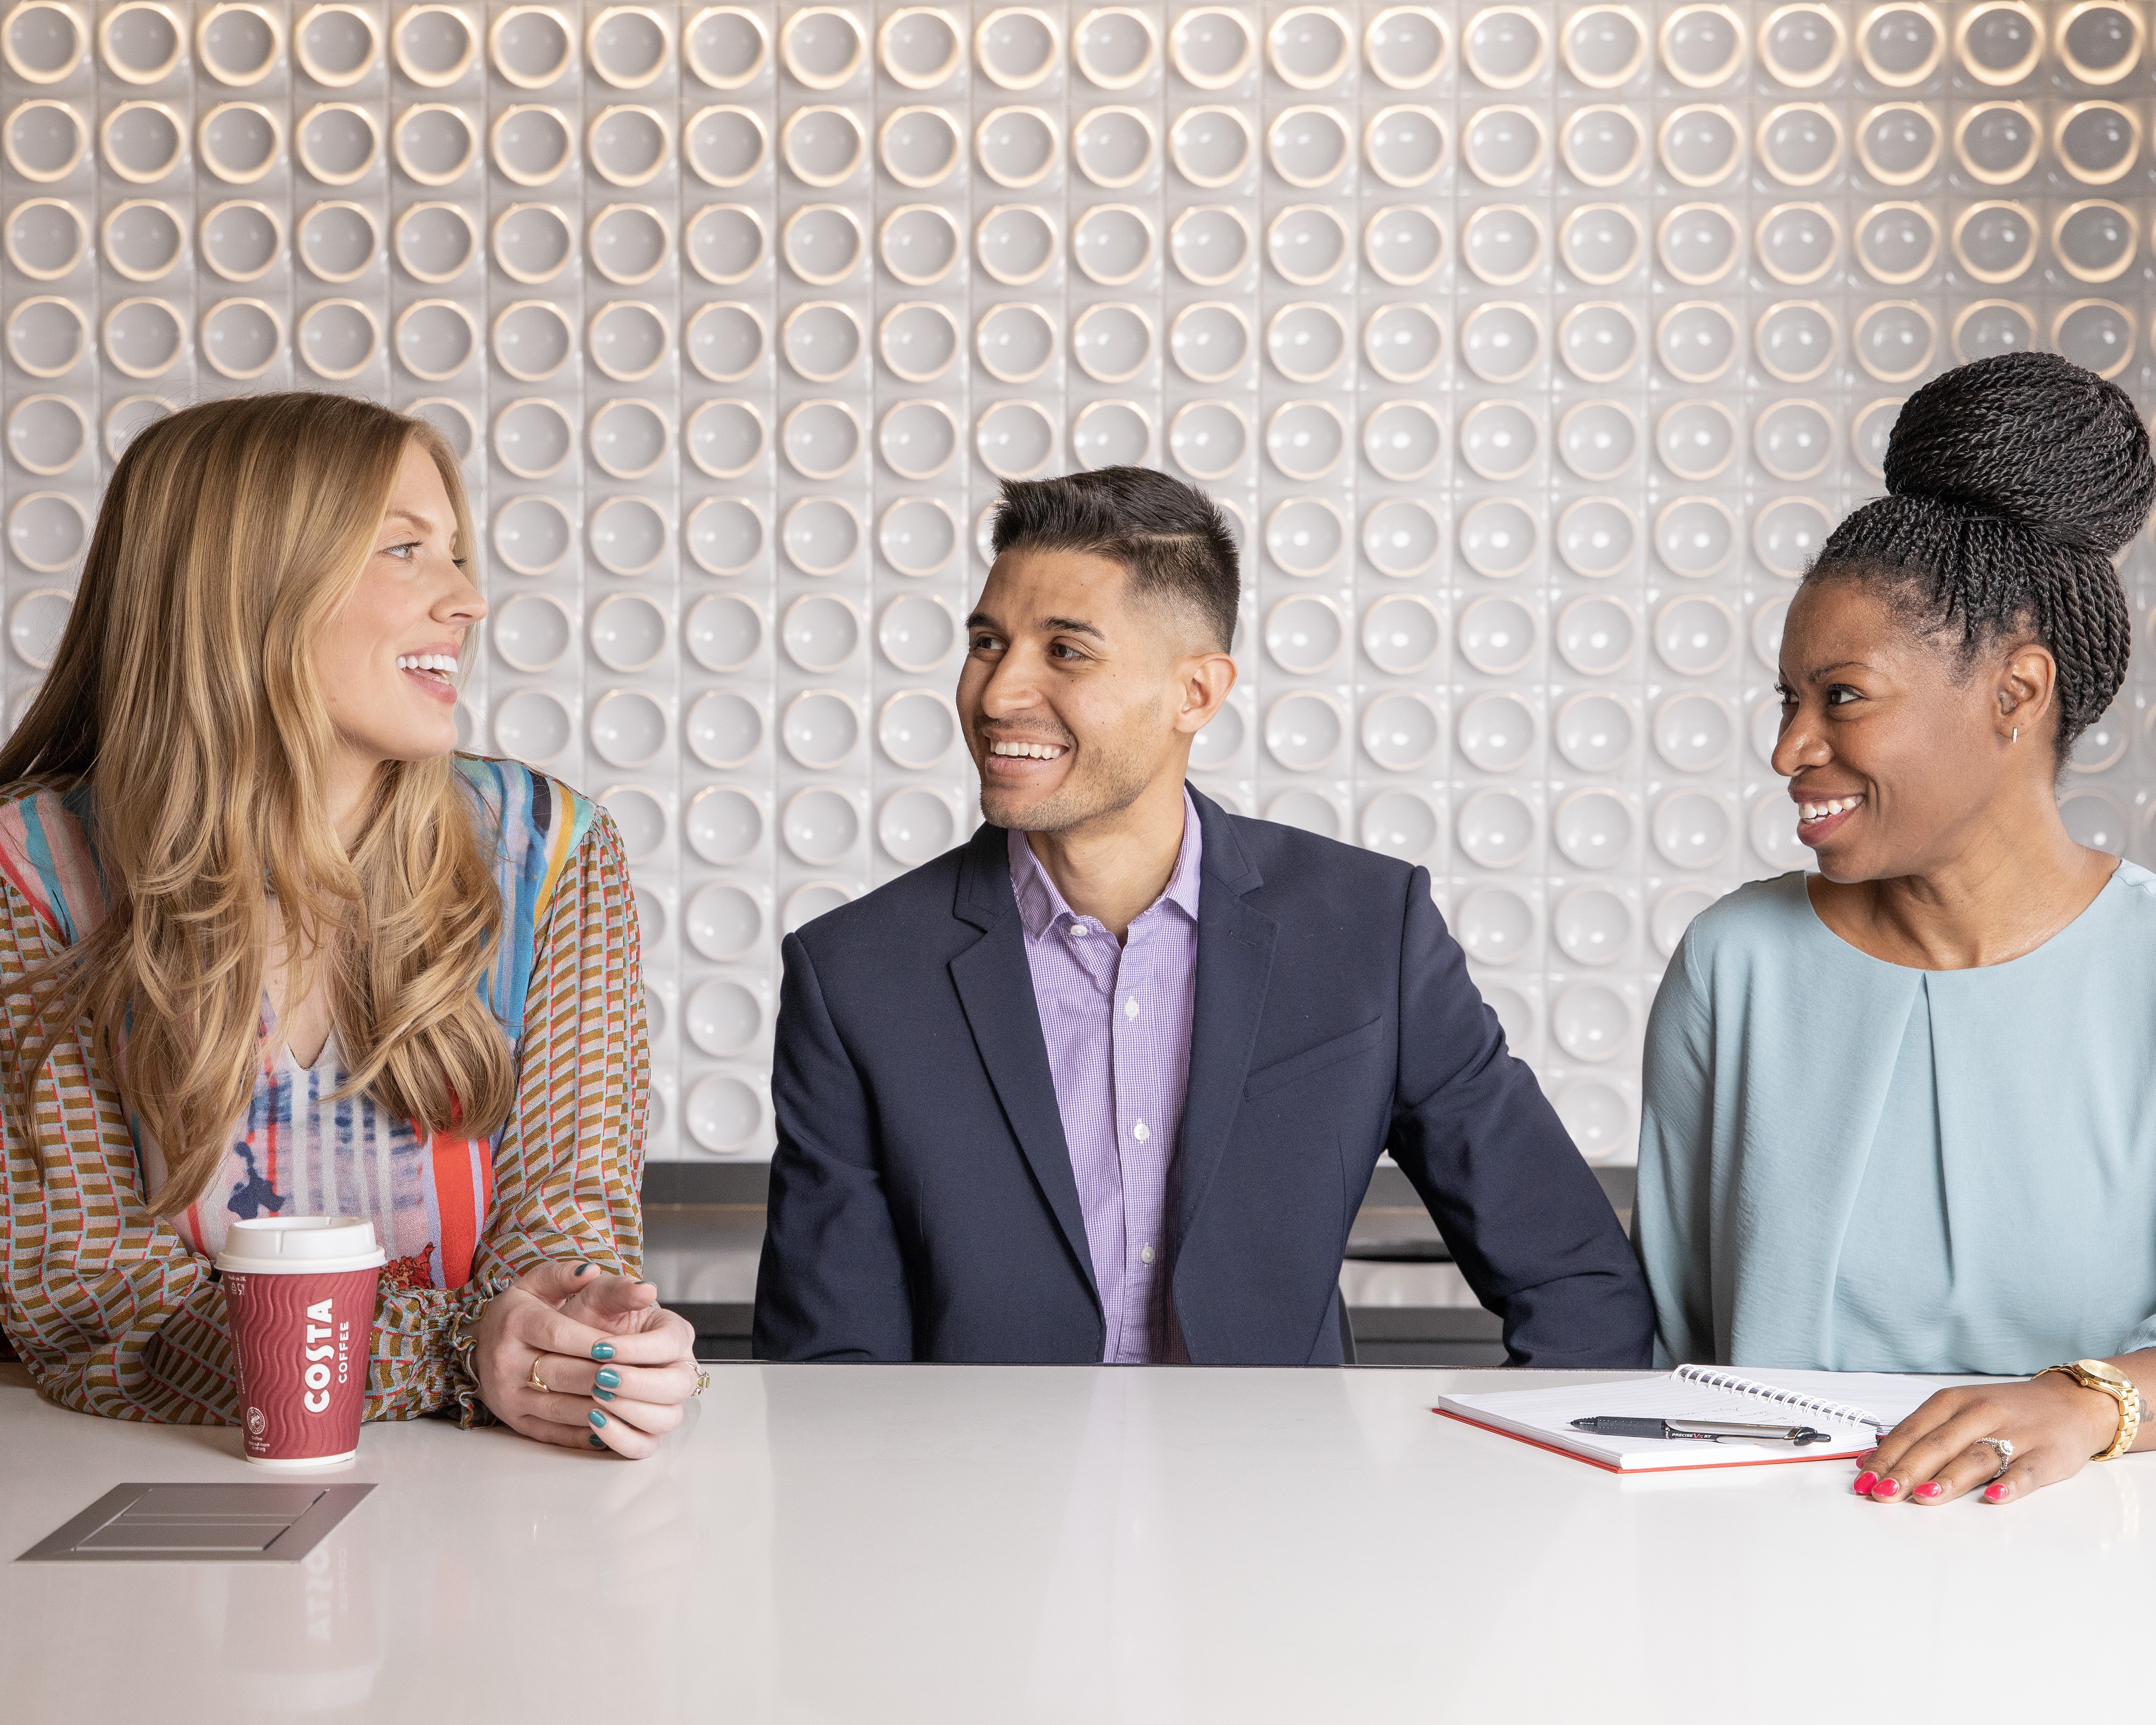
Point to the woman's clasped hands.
(2003, 1440)
(572, 1355)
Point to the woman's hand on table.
(617, 1366)
(1938, 1454)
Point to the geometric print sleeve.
(569, 1168)
(113, 1314)
(106, 1304)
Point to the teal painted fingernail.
(605, 1395)
(597, 1418)
(609, 1379)
(582, 1267)
(602, 1350)
(597, 1441)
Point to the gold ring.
(703, 1383)
(535, 1381)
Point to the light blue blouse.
(1852, 1165)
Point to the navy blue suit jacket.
(923, 1205)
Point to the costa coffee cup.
(299, 1291)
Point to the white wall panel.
(1533, 347)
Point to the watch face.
(2109, 1373)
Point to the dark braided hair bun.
(2031, 437)
(2011, 484)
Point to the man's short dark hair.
(1172, 538)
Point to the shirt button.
(1131, 1007)
(1079, 931)
(1140, 1132)
(1145, 1255)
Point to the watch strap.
(2123, 1392)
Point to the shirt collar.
(1041, 906)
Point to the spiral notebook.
(1854, 1407)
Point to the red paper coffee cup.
(299, 1291)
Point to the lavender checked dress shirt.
(1117, 1024)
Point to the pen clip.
(1732, 1431)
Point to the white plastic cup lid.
(290, 1245)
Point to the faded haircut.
(1173, 539)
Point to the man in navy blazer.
(968, 1057)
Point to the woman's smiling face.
(1897, 754)
(389, 662)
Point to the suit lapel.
(1235, 965)
(995, 987)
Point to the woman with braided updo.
(1899, 1115)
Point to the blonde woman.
(269, 947)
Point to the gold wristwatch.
(2101, 1375)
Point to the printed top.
(114, 1311)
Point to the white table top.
(953, 1544)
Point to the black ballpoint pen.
(1701, 1431)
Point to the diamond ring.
(2004, 1446)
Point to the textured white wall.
(1533, 346)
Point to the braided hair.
(2012, 483)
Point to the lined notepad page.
(1888, 1398)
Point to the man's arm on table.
(1524, 1216)
(832, 1283)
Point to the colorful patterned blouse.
(114, 1311)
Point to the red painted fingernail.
(1864, 1481)
(1930, 1488)
(1885, 1488)
(1994, 1494)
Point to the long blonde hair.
(184, 696)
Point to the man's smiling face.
(1075, 693)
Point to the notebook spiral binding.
(1842, 1411)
